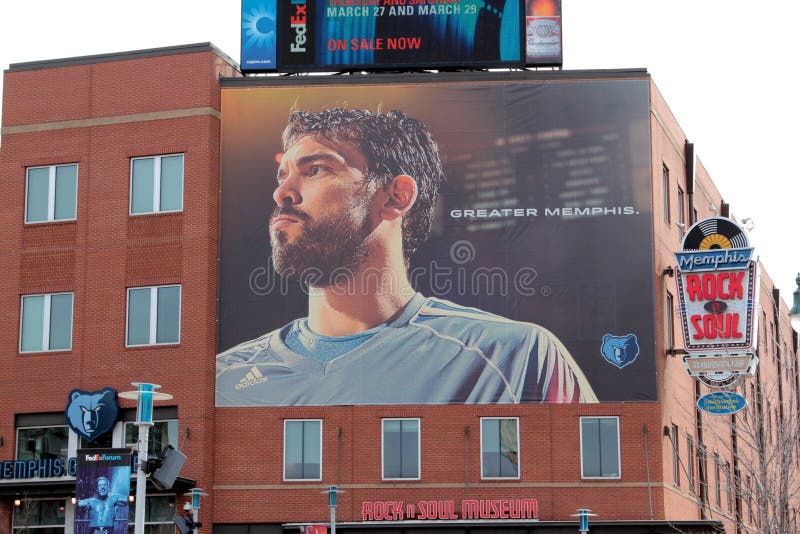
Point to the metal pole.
(332, 504)
(141, 478)
(144, 395)
(332, 491)
(196, 494)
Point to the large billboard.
(313, 35)
(447, 240)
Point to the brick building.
(111, 238)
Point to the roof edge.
(121, 56)
(411, 77)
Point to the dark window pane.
(508, 448)
(32, 323)
(66, 191)
(37, 195)
(590, 447)
(410, 448)
(311, 449)
(169, 303)
(499, 448)
(609, 446)
(42, 443)
(139, 316)
(61, 322)
(392, 450)
(171, 183)
(600, 446)
(142, 185)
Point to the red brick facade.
(101, 112)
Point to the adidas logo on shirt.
(251, 378)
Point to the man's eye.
(315, 170)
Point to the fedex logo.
(298, 24)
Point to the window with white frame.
(690, 462)
(669, 331)
(600, 455)
(46, 322)
(400, 440)
(154, 315)
(302, 449)
(717, 493)
(156, 184)
(665, 186)
(729, 489)
(40, 516)
(51, 193)
(159, 511)
(42, 442)
(499, 447)
(160, 435)
(676, 460)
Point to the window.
(728, 487)
(670, 330)
(302, 449)
(690, 462)
(401, 444)
(676, 459)
(702, 471)
(717, 495)
(681, 219)
(42, 443)
(161, 434)
(665, 179)
(749, 496)
(600, 447)
(159, 511)
(46, 322)
(499, 448)
(45, 516)
(157, 184)
(154, 315)
(51, 193)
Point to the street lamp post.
(332, 492)
(794, 313)
(144, 395)
(196, 494)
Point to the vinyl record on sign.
(715, 233)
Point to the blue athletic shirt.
(434, 352)
(301, 340)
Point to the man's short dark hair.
(393, 144)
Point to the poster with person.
(102, 488)
(463, 239)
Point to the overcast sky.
(726, 68)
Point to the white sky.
(726, 68)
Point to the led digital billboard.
(309, 35)
(543, 41)
(452, 239)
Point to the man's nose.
(286, 194)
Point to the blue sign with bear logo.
(620, 350)
(92, 413)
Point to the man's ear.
(400, 195)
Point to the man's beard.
(327, 252)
